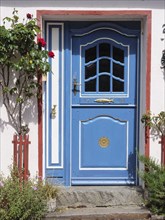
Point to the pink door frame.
(146, 14)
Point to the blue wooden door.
(104, 105)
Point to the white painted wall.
(157, 75)
(157, 78)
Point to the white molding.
(55, 157)
(104, 168)
(57, 150)
(118, 95)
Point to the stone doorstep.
(96, 196)
(109, 213)
(100, 203)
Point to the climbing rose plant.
(23, 60)
(155, 122)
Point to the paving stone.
(111, 213)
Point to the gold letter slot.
(104, 100)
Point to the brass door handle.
(53, 112)
(104, 100)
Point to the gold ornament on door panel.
(104, 142)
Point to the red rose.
(51, 54)
(41, 42)
(29, 16)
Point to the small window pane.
(90, 70)
(118, 86)
(118, 54)
(104, 83)
(118, 70)
(104, 66)
(90, 86)
(90, 54)
(104, 50)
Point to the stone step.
(109, 213)
(100, 203)
(99, 196)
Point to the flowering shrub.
(29, 16)
(154, 179)
(155, 122)
(51, 54)
(41, 42)
(24, 200)
(23, 59)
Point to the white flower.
(1, 184)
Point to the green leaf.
(19, 100)
(22, 59)
(5, 89)
(13, 90)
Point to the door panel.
(104, 73)
(98, 141)
(104, 146)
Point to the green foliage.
(154, 179)
(24, 200)
(22, 60)
(156, 122)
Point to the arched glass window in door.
(104, 69)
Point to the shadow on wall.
(163, 72)
(132, 166)
(30, 115)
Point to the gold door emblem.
(104, 142)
